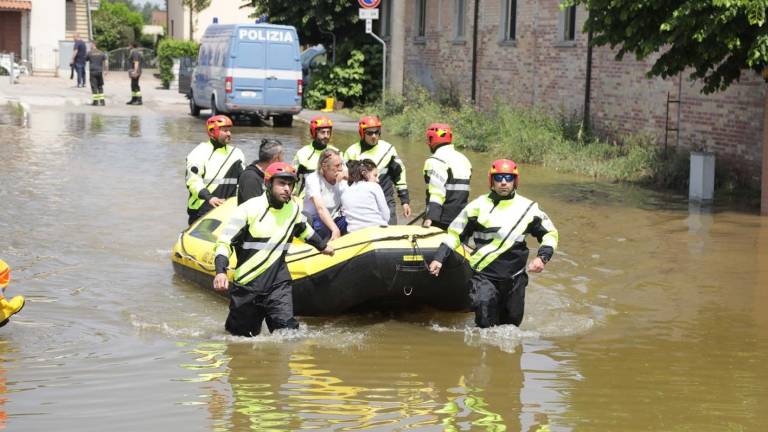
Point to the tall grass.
(534, 136)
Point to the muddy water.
(651, 316)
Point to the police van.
(251, 69)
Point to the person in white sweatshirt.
(363, 203)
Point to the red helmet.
(319, 122)
(438, 134)
(279, 169)
(504, 166)
(215, 123)
(368, 122)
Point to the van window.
(282, 56)
(250, 55)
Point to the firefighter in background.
(305, 160)
(498, 222)
(213, 168)
(446, 173)
(390, 166)
(265, 227)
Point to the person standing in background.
(135, 73)
(97, 68)
(78, 59)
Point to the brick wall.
(539, 69)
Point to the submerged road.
(651, 316)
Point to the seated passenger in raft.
(363, 203)
(322, 200)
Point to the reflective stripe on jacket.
(212, 172)
(266, 234)
(390, 166)
(498, 228)
(446, 173)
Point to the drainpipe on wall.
(474, 52)
(586, 124)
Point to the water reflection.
(313, 383)
(134, 128)
(699, 223)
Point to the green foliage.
(169, 49)
(316, 20)
(115, 25)
(533, 136)
(341, 82)
(717, 39)
(195, 6)
(336, 16)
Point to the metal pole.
(333, 42)
(474, 52)
(383, 67)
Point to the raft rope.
(186, 255)
(387, 238)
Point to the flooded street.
(651, 316)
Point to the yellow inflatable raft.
(376, 268)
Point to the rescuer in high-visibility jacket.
(305, 160)
(213, 168)
(446, 173)
(260, 230)
(498, 223)
(390, 166)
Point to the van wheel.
(282, 120)
(194, 110)
(214, 110)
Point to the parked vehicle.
(6, 67)
(186, 67)
(311, 59)
(251, 69)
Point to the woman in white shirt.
(363, 203)
(322, 198)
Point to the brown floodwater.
(651, 316)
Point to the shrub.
(341, 82)
(169, 49)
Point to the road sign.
(369, 4)
(368, 13)
(369, 26)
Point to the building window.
(173, 32)
(70, 18)
(421, 18)
(385, 13)
(460, 13)
(569, 23)
(510, 20)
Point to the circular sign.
(369, 4)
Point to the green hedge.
(169, 49)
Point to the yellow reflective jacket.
(390, 166)
(498, 228)
(266, 235)
(212, 172)
(446, 173)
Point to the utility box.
(702, 178)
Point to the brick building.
(532, 53)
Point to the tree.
(195, 6)
(115, 25)
(316, 18)
(717, 39)
(146, 11)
